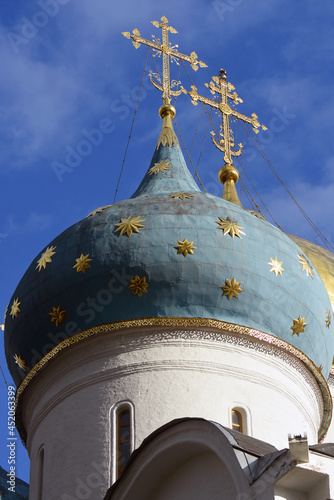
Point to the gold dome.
(323, 261)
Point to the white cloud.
(34, 223)
(66, 76)
(316, 200)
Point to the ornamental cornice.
(186, 329)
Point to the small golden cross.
(220, 86)
(168, 52)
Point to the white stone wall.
(165, 375)
(309, 481)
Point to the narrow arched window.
(122, 436)
(40, 473)
(237, 424)
(123, 439)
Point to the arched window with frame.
(122, 415)
(123, 439)
(237, 420)
(40, 473)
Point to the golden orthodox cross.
(168, 52)
(224, 89)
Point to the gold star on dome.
(320, 368)
(15, 308)
(45, 257)
(182, 196)
(129, 225)
(160, 167)
(98, 210)
(306, 266)
(82, 263)
(58, 316)
(185, 247)
(231, 288)
(20, 362)
(298, 326)
(230, 227)
(138, 285)
(276, 267)
(257, 214)
(328, 318)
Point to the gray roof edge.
(323, 449)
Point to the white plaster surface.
(310, 481)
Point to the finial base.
(167, 109)
(228, 176)
(227, 172)
(167, 135)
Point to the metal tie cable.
(133, 120)
(309, 220)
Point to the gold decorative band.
(179, 322)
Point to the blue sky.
(67, 70)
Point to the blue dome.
(169, 252)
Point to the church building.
(175, 345)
